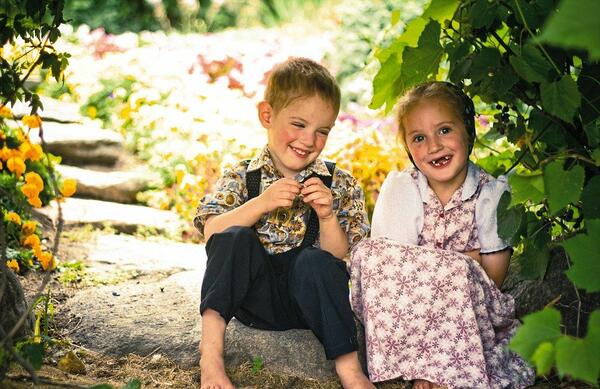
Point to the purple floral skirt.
(434, 314)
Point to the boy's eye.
(298, 124)
(445, 130)
(323, 132)
(418, 138)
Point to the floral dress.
(431, 312)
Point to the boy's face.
(298, 132)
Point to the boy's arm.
(496, 265)
(280, 194)
(332, 237)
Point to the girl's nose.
(434, 145)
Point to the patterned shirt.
(283, 228)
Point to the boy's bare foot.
(350, 372)
(212, 373)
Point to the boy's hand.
(318, 196)
(280, 194)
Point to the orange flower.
(5, 112)
(35, 152)
(13, 217)
(13, 264)
(34, 179)
(32, 121)
(30, 190)
(5, 153)
(16, 165)
(69, 187)
(28, 227)
(32, 241)
(47, 261)
(35, 202)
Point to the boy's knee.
(314, 264)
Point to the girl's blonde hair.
(301, 77)
(445, 91)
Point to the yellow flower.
(34, 179)
(47, 261)
(5, 153)
(32, 241)
(30, 190)
(69, 187)
(92, 111)
(35, 153)
(35, 202)
(32, 121)
(16, 165)
(5, 112)
(13, 264)
(13, 217)
(28, 227)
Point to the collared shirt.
(284, 228)
(408, 210)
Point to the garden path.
(146, 291)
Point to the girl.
(425, 285)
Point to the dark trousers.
(305, 288)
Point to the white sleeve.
(485, 215)
(398, 213)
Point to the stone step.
(81, 143)
(116, 186)
(123, 217)
(108, 253)
(137, 317)
(54, 110)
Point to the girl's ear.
(265, 114)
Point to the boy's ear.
(265, 114)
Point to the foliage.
(533, 63)
(114, 16)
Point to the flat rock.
(142, 318)
(125, 252)
(81, 143)
(123, 217)
(54, 110)
(116, 186)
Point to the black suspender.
(312, 226)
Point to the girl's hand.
(279, 194)
(474, 254)
(319, 197)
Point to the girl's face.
(437, 140)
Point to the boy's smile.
(297, 133)
(438, 142)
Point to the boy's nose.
(308, 139)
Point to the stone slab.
(81, 143)
(54, 110)
(116, 186)
(141, 318)
(123, 217)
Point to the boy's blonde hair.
(445, 91)
(301, 77)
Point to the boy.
(276, 227)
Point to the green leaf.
(133, 384)
(561, 98)
(34, 353)
(574, 25)
(589, 198)
(441, 10)
(543, 358)
(536, 254)
(588, 82)
(593, 333)
(538, 327)
(385, 89)
(421, 63)
(486, 61)
(583, 250)
(395, 17)
(102, 386)
(483, 13)
(526, 189)
(575, 358)
(531, 64)
(509, 219)
(562, 186)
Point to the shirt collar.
(263, 159)
(469, 187)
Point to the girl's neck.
(445, 190)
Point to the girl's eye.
(418, 138)
(445, 130)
